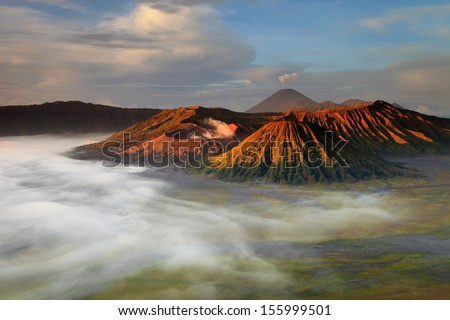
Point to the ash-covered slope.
(384, 129)
(178, 133)
(68, 117)
(294, 152)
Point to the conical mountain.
(281, 101)
(297, 153)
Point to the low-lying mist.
(68, 228)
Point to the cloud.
(293, 77)
(148, 56)
(267, 74)
(136, 53)
(423, 109)
(69, 224)
(69, 228)
(180, 38)
(413, 16)
(171, 4)
(180, 2)
(65, 4)
(411, 83)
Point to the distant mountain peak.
(289, 91)
(282, 100)
(287, 100)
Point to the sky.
(224, 53)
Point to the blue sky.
(169, 53)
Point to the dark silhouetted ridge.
(68, 117)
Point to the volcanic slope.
(297, 153)
(179, 133)
(384, 129)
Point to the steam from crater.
(220, 130)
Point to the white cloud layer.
(68, 228)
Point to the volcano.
(291, 100)
(178, 133)
(283, 100)
(284, 147)
(295, 152)
(384, 129)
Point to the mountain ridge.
(383, 128)
(68, 117)
(297, 153)
(208, 136)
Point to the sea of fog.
(68, 228)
